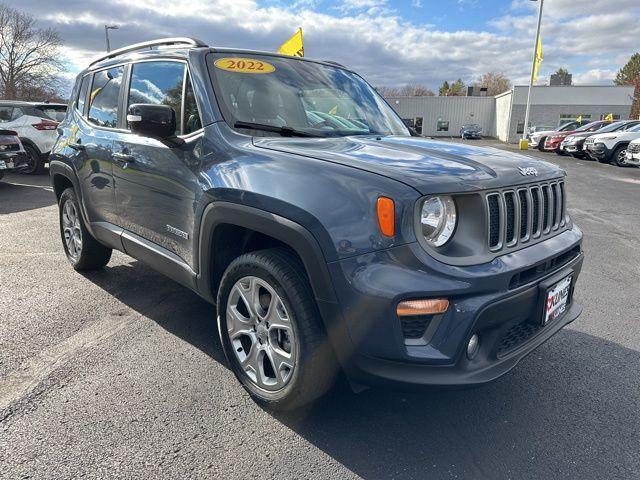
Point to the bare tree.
(29, 56)
(387, 92)
(495, 82)
(411, 90)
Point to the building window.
(418, 125)
(520, 128)
(442, 126)
(571, 117)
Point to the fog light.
(473, 346)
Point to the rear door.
(98, 124)
(156, 183)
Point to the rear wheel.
(541, 143)
(34, 160)
(83, 251)
(271, 330)
(619, 156)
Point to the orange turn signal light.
(386, 216)
(411, 308)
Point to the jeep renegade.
(288, 193)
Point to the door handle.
(77, 146)
(123, 157)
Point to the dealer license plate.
(557, 299)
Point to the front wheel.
(541, 143)
(619, 156)
(271, 330)
(83, 251)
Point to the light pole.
(533, 69)
(106, 34)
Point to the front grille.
(516, 215)
(634, 148)
(516, 336)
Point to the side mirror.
(157, 121)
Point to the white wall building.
(502, 116)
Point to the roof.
(30, 104)
(180, 47)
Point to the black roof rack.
(335, 63)
(194, 42)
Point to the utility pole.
(106, 34)
(533, 68)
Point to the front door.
(157, 182)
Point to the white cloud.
(366, 35)
(595, 77)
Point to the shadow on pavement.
(569, 410)
(21, 193)
(173, 307)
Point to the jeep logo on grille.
(528, 171)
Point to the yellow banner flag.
(294, 46)
(579, 119)
(609, 118)
(538, 60)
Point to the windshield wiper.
(284, 131)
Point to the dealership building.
(502, 116)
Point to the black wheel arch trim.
(57, 167)
(280, 228)
(297, 237)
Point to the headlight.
(438, 220)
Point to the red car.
(553, 141)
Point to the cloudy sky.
(391, 42)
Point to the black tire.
(35, 164)
(560, 152)
(91, 255)
(315, 367)
(1, 175)
(617, 157)
(541, 143)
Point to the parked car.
(12, 154)
(554, 141)
(633, 153)
(471, 130)
(36, 124)
(574, 143)
(538, 139)
(402, 260)
(611, 147)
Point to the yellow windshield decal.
(244, 65)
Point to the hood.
(427, 165)
(618, 135)
(542, 133)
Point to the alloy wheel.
(261, 334)
(622, 157)
(71, 230)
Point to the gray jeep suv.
(289, 194)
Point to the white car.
(633, 153)
(36, 124)
(537, 138)
(611, 147)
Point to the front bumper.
(483, 300)
(633, 158)
(598, 151)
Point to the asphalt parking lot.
(119, 374)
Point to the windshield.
(612, 127)
(590, 127)
(634, 129)
(304, 96)
(54, 112)
(568, 126)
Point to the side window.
(103, 101)
(158, 83)
(17, 113)
(191, 120)
(5, 114)
(82, 94)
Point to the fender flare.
(56, 167)
(282, 229)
